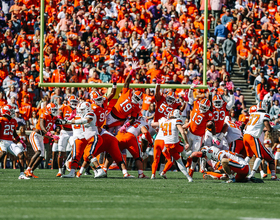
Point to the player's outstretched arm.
(230, 104)
(155, 124)
(147, 134)
(131, 74)
(157, 95)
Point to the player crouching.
(8, 127)
(231, 163)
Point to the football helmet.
(136, 97)
(262, 106)
(212, 152)
(204, 105)
(83, 108)
(252, 109)
(218, 101)
(73, 101)
(170, 98)
(97, 98)
(7, 110)
(176, 113)
(52, 109)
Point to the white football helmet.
(73, 101)
(136, 97)
(218, 101)
(97, 98)
(83, 108)
(212, 153)
(176, 113)
(170, 98)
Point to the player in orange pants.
(158, 149)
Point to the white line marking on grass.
(251, 218)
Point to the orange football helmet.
(73, 101)
(170, 98)
(7, 110)
(52, 109)
(97, 98)
(252, 109)
(136, 97)
(204, 105)
(218, 101)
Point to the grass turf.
(50, 197)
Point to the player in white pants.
(8, 132)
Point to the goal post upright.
(120, 85)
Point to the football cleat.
(224, 177)
(191, 172)
(100, 173)
(264, 176)
(128, 176)
(78, 174)
(190, 179)
(163, 175)
(142, 176)
(201, 171)
(29, 174)
(231, 180)
(22, 177)
(275, 178)
(153, 176)
(68, 176)
(207, 177)
(58, 175)
(26, 171)
(189, 162)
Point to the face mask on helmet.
(73, 103)
(203, 108)
(136, 97)
(218, 103)
(98, 101)
(170, 100)
(54, 111)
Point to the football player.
(88, 143)
(129, 141)
(220, 111)
(231, 163)
(43, 129)
(201, 117)
(8, 133)
(254, 128)
(127, 104)
(67, 112)
(171, 129)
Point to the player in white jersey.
(129, 141)
(90, 142)
(254, 128)
(171, 129)
(229, 161)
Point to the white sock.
(82, 170)
(247, 159)
(124, 171)
(140, 172)
(105, 169)
(182, 168)
(28, 168)
(193, 165)
(257, 163)
(72, 172)
(59, 170)
(185, 155)
(261, 172)
(31, 171)
(253, 172)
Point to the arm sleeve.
(190, 96)
(231, 102)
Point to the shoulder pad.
(90, 115)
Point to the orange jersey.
(199, 120)
(66, 111)
(48, 119)
(163, 108)
(124, 106)
(147, 100)
(7, 128)
(100, 112)
(219, 117)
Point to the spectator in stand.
(150, 113)
(268, 98)
(227, 17)
(148, 99)
(20, 120)
(213, 74)
(275, 110)
(239, 102)
(276, 96)
(220, 32)
(230, 53)
(33, 121)
(243, 52)
(9, 81)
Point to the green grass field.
(50, 197)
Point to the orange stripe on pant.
(92, 147)
(158, 148)
(32, 140)
(254, 146)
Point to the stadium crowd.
(96, 41)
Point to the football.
(209, 124)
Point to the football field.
(50, 197)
